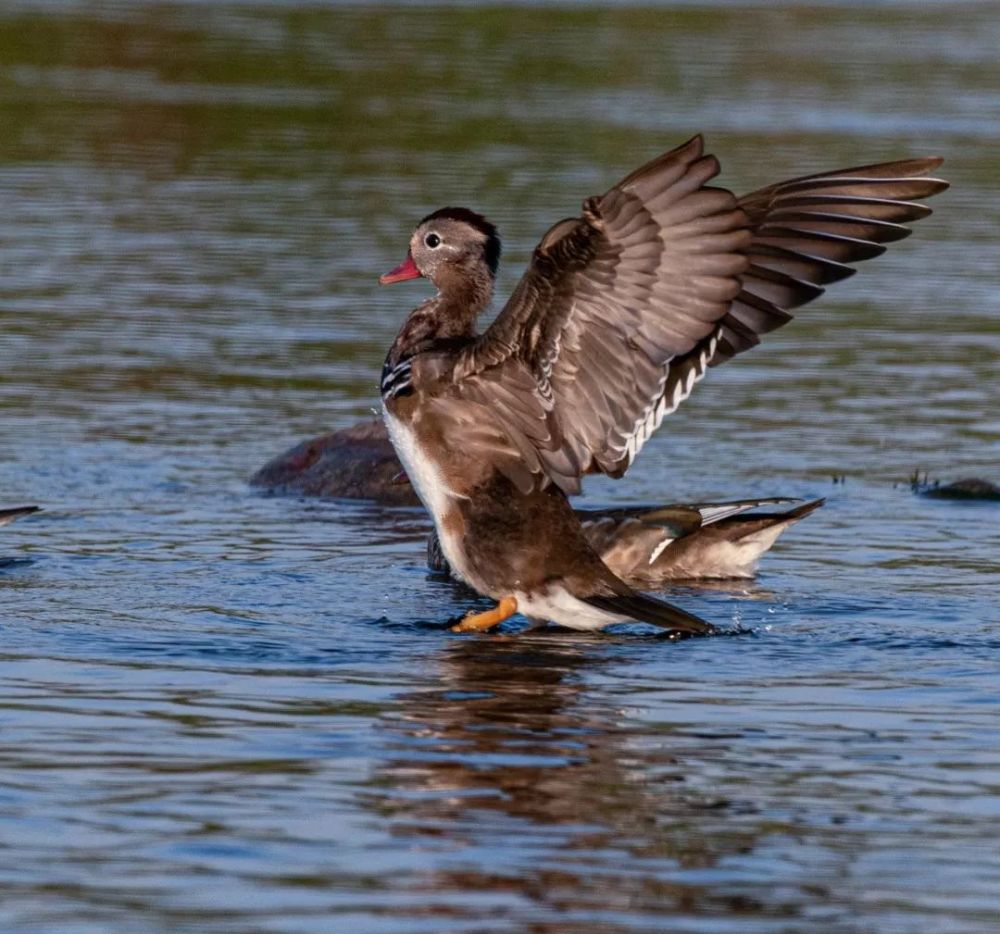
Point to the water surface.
(230, 712)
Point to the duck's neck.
(449, 315)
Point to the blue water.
(223, 711)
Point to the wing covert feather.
(609, 300)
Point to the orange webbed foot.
(480, 622)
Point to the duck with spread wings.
(620, 313)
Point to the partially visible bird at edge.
(15, 512)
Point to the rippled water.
(223, 711)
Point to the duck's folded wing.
(579, 365)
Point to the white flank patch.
(560, 606)
(658, 550)
(430, 486)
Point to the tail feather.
(771, 519)
(646, 609)
(802, 511)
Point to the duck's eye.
(432, 240)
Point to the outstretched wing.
(806, 231)
(576, 364)
(623, 310)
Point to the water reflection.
(511, 743)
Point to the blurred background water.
(222, 711)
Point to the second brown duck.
(649, 546)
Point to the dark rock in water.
(969, 488)
(356, 463)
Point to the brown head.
(450, 246)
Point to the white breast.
(430, 485)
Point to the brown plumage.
(619, 314)
(650, 546)
(359, 462)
